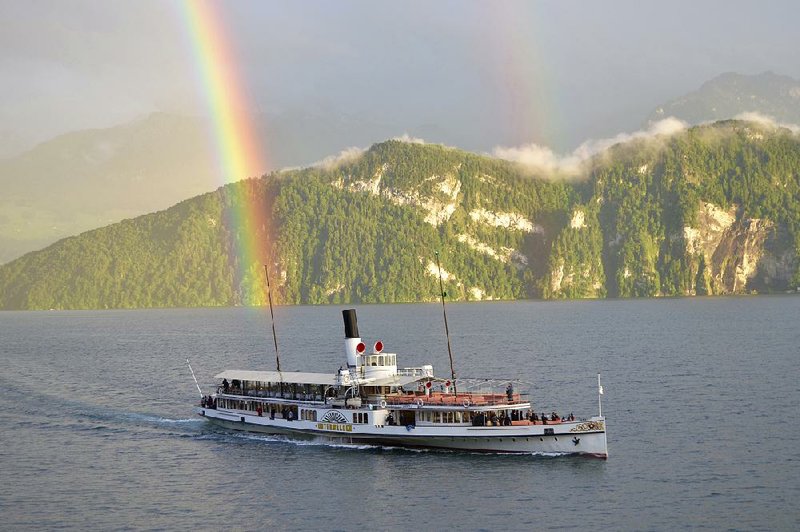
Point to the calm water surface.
(702, 398)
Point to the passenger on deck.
(506, 421)
(544, 418)
(571, 417)
(259, 411)
(554, 416)
(510, 392)
(390, 419)
(225, 385)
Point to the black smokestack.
(350, 323)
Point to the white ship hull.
(587, 437)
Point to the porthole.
(541, 439)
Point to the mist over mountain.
(714, 209)
(730, 95)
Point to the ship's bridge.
(378, 365)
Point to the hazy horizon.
(471, 74)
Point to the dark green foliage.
(576, 267)
(646, 201)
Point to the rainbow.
(239, 154)
(524, 74)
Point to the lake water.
(702, 398)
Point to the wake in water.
(221, 434)
(158, 420)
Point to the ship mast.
(272, 318)
(446, 329)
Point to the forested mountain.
(711, 210)
(91, 178)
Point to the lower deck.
(418, 428)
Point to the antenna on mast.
(446, 329)
(272, 318)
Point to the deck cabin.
(409, 396)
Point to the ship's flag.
(601, 390)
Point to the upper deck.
(410, 389)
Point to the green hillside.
(713, 210)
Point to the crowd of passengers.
(208, 402)
(495, 420)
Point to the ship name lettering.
(335, 427)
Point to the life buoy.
(420, 402)
(383, 404)
(466, 403)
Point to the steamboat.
(371, 400)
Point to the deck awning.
(298, 377)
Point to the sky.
(466, 73)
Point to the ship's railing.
(463, 399)
(415, 372)
(466, 392)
